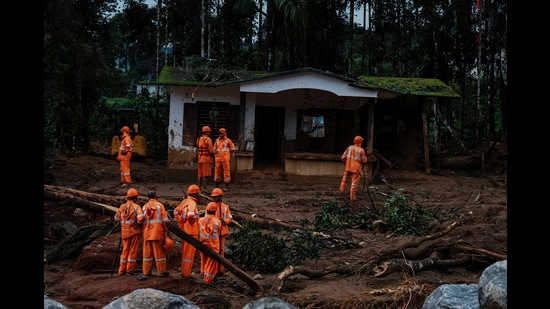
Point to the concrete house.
(302, 119)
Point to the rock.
(491, 292)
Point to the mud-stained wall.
(182, 121)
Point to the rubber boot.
(217, 184)
(226, 187)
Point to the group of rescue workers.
(218, 152)
(150, 221)
(212, 229)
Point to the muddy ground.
(476, 203)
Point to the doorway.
(269, 130)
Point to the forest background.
(95, 51)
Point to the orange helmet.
(132, 192)
(358, 139)
(206, 129)
(193, 189)
(212, 206)
(168, 243)
(125, 129)
(217, 192)
(222, 130)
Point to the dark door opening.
(269, 130)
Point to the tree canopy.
(97, 49)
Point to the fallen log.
(412, 267)
(484, 252)
(209, 252)
(413, 244)
(80, 202)
(100, 198)
(293, 270)
(115, 201)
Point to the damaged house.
(301, 120)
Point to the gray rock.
(493, 286)
(52, 304)
(491, 292)
(453, 296)
(151, 299)
(268, 303)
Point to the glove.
(124, 153)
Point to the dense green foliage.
(96, 50)
(271, 253)
(402, 219)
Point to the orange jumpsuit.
(154, 232)
(205, 150)
(224, 214)
(223, 147)
(209, 227)
(354, 157)
(125, 146)
(130, 217)
(187, 215)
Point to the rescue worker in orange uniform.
(224, 214)
(130, 217)
(205, 153)
(154, 234)
(223, 148)
(187, 216)
(209, 229)
(125, 155)
(354, 157)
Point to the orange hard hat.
(222, 130)
(206, 129)
(193, 189)
(125, 129)
(212, 206)
(168, 243)
(217, 192)
(358, 139)
(132, 192)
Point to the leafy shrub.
(269, 253)
(401, 218)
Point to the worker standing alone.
(125, 155)
(223, 148)
(354, 157)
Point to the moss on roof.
(205, 76)
(216, 76)
(409, 86)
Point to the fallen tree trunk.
(100, 198)
(416, 243)
(80, 202)
(294, 270)
(209, 252)
(95, 202)
(412, 267)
